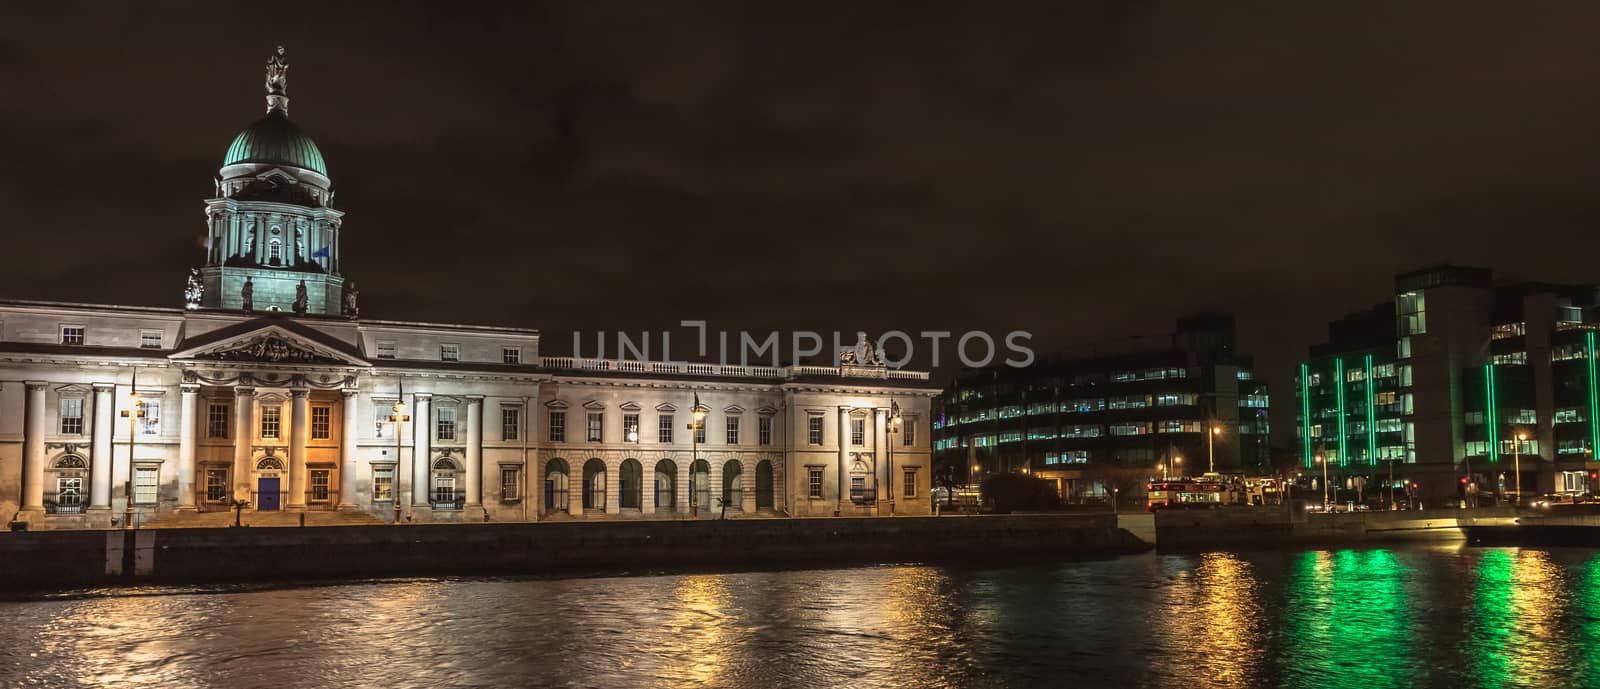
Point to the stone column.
(348, 471)
(105, 418)
(186, 439)
(613, 487)
(244, 402)
(575, 486)
(422, 426)
(680, 482)
(33, 429)
(299, 432)
(747, 484)
(474, 450)
(844, 457)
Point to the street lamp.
(699, 421)
(1211, 453)
(398, 416)
(1176, 466)
(133, 413)
(1163, 469)
(1516, 465)
(895, 422)
(1324, 462)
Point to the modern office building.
(1452, 385)
(268, 392)
(1137, 407)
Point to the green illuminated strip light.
(1491, 418)
(1305, 410)
(1338, 374)
(1594, 396)
(1372, 417)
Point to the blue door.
(267, 495)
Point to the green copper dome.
(274, 139)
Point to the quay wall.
(63, 559)
(1254, 527)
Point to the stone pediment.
(270, 345)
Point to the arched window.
(275, 252)
(700, 484)
(764, 485)
(445, 495)
(594, 485)
(630, 485)
(732, 485)
(666, 485)
(269, 463)
(555, 485)
(72, 462)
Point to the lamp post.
(398, 416)
(133, 413)
(1211, 453)
(1163, 469)
(699, 421)
(893, 427)
(1516, 465)
(1177, 466)
(1324, 462)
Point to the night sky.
(1081, 170)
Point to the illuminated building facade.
(268, 392)
(1442, 381)
(1131, 405)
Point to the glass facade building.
(1137, 408)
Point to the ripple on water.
(1375, 618)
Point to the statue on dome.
(300, 299)
(277, 74)
(351, 310)
(193, 291)
(246, 293)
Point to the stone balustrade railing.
(567, 363)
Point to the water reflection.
(1369, 618)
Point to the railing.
(447, 500)
(863, 496)
(64, 508)
(567, 363)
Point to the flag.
(321, 253)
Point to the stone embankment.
(88, 558)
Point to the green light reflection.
(1349, 616)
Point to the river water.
(1425, 616)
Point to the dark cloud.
(1081, 170)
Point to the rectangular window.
(858, 431)
(1411, 311)
(150, 339)
(558, 426)
(149, 417)
(733, 430)
(271, 421)
(216, 421)
(319, 485)
(911, 484)
(72, 334)
(597, 425)
(664, 428)
(445, 422)
(72, 416)
(630, 428)
(814, 429)
(383, 483)
(510, 483)
(764, 430)
(511, 355)
(700, 432)
(449, 352)
(321, 423)
(385, 349)
(382, 416)
(814, 482)
(216, 485)
(144, 485)
(510, 422)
